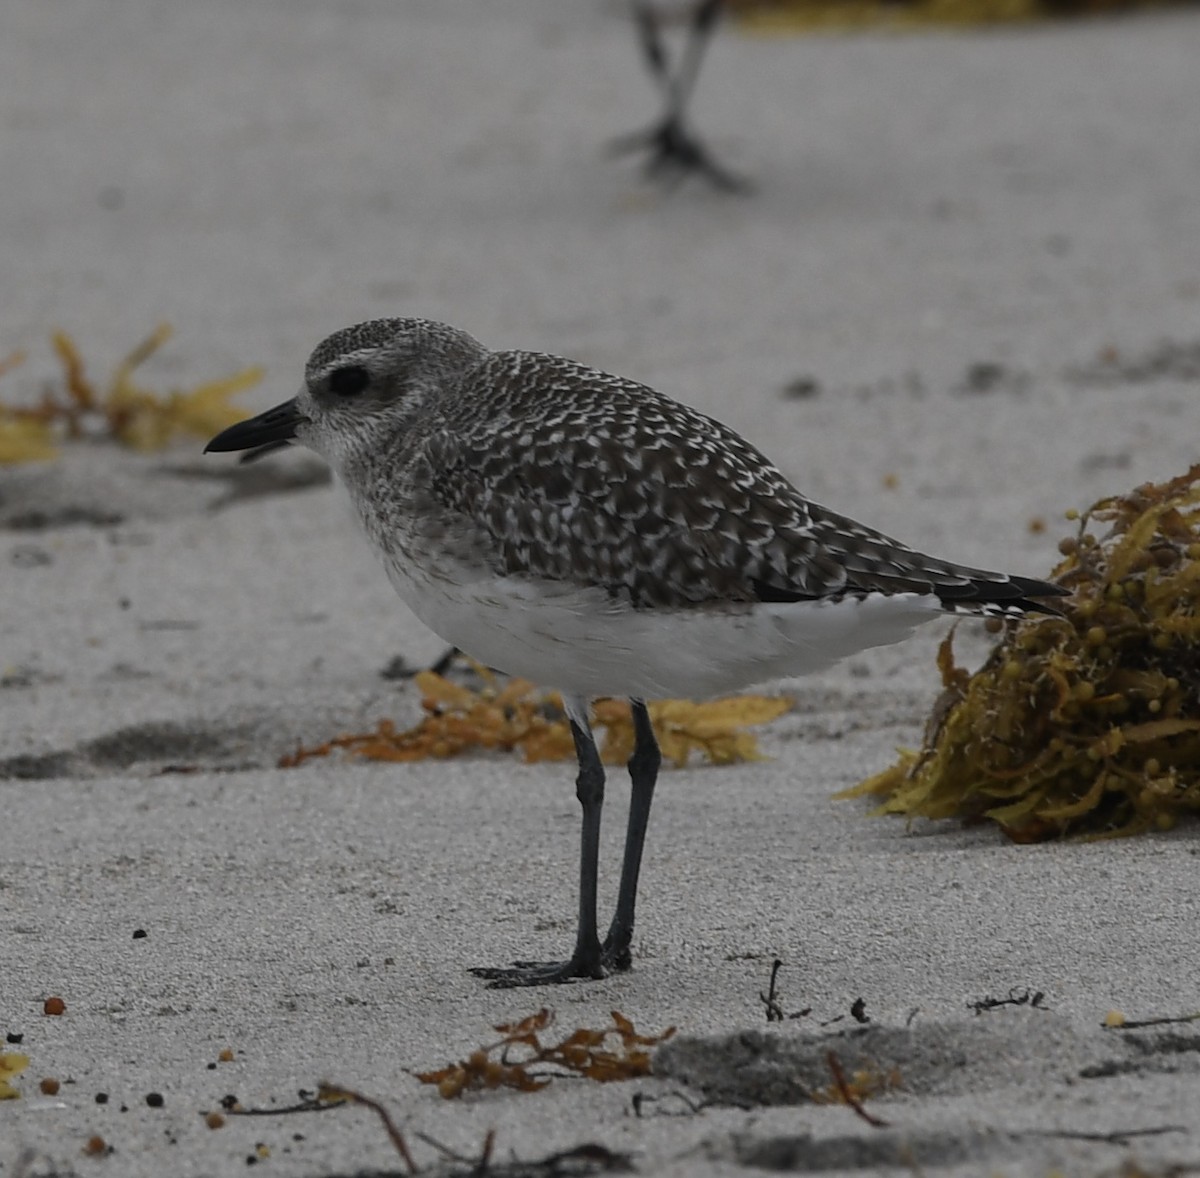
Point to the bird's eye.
(350, 381)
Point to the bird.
(584, 531)
(674, 149)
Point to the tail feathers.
(959, 590)
(985, 595)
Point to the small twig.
(313, 1105)
(336, 1091)
(694, 1107)
(485, 1155)
(1016, 997)
(1116, 1137)
(1152, 1022)
(839, 1079)
(549, 1165)
(858, 1011)
(441, 1147)
(774, 1010)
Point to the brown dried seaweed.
(513, 714)
(584, 1052)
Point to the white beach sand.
(933, 212)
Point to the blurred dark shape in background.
(674, 151)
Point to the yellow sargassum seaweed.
(1088, 723)
(514, 714)
(787, 17)
(124, 411)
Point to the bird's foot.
(615, 954)
(580, 968)
(674, 152)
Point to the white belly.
(583, 643)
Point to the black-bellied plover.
(588, 533)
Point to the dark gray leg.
(643, 773)
(586, 961)
(589, 789)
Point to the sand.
(910, 315)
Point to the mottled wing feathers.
(579, 476)
(573, 475)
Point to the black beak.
(273, 428)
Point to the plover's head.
(360, 382)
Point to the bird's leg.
(704, 21)
(643, 773)
(586, 961)
(673, 149)
(589, 789)
(654, 48)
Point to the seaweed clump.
(1087, 723)
(123, 411)
(585, 1052)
